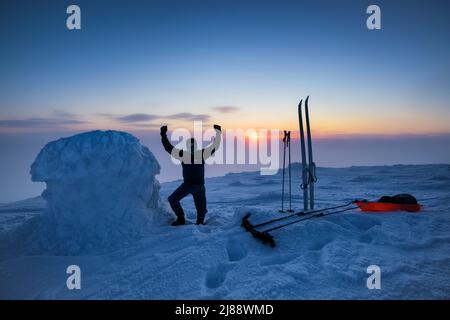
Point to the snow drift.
(323, 258)
(101, 193)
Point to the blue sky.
(173, 57)
(243, 64)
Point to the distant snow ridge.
(101, 193)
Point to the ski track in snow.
(317, 259)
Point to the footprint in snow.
(235, 250)
(217, 274)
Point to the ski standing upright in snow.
(308, 168)
(304, 185)
(311, 165)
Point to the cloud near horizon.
(136, 117)
(226, 109)
(39, 122)
(62, 118)
(64, 114)
(187, 116)
(145, 117)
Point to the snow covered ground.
(316, 259)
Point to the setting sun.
(253, 135)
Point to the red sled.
(368, 206)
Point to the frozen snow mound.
(101, 193)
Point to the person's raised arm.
(174, 152)
(211, 149)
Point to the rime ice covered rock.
(101, 193)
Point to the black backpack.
(403, 198)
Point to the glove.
(217, 127)
(163, 130)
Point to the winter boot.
(179, 222)
(200, 220)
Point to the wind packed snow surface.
(324, 258)
(101, 193)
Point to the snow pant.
(198, 193)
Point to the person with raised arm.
(193, 164)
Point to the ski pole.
(284, 166)
(289, 151)
(307, 218)
(301, 213)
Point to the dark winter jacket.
(192, 161)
